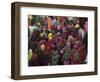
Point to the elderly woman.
(54, 55)
(67, 53)
(43, 57)
(75, 56)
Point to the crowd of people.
(57, 40)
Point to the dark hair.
(82, 21)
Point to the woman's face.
(77, 21)
(58, 27)
(68, 44)
(42, 47)
(86, 26)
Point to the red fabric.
(73, 58)
(49, 46)
(82, 54)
